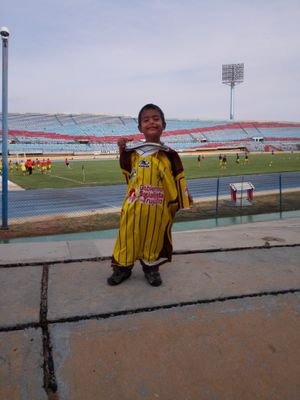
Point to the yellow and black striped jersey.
(156, 190)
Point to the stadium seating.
(89, 133)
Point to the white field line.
(69, 179)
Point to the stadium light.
(4, 35)
(232, 75)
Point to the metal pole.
(231, 101)
(4, 34)
(217, 197)
(280, 195)
(242, 189)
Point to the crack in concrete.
(175, 252)
(49, 376)
(223, 250)
(172, 305)
(141, 310)
(50, 383)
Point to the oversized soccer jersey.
(156, 190)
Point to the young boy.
(156, 190)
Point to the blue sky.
(113, 56)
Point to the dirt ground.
(203, 210)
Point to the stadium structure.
(95, 134)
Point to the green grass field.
(107, 172)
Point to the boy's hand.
(122, 143)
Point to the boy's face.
(151, 125)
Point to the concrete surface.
(20, 295)
(240, 349)
(21, 358)
(80, 289)
(224, 325)
(274, 233)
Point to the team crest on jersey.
(131, 197)
(144, 164)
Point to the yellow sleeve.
(183, 195)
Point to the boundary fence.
(34, 205)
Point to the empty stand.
(95, 133)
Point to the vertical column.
(232, 101)
(4, 34)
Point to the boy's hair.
(151, 106)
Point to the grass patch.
(107, 172)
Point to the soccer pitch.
(107, 171)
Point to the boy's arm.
(185, 199)
(184, 196)
(122, 144)
(125, 157)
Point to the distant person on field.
(237, 158)
(199, 160)
(44, 167)
(23, 168)
(29, 167)
(224, 161)
(49, 164)
(10, 166)
(156, 190)
(220, 160)
(67, 163)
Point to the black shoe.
(119, 275)
(153, 278)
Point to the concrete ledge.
(25, 253)
(283, 232)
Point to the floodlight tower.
(4, 32)
(232, 75)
